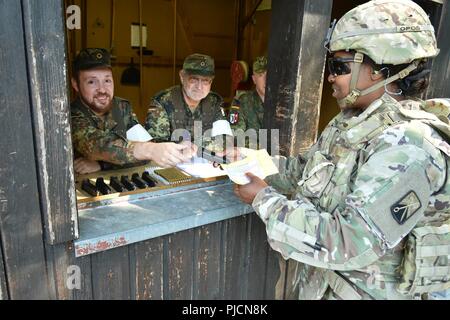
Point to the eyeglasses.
(192, 80)
(339, 66)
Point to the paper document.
(257, 162)
(201, 168)
(221, 127)
(138, 134)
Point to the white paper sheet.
(201, 168)
(256, 162)
(221, 127)
(138, 134)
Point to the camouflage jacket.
(169, 111)
(250, 112)
(361, 169)
(100, 139)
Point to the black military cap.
(92, 58)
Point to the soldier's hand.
(248, 192)
(191, 149)
(231, 154)
(165, 155)
(85, 166)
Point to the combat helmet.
(389, 32)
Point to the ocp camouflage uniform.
(100, 139)
(362, 171)
(251, 111)
(169, 111)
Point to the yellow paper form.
(257, 162)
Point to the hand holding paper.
(257, 162)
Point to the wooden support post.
(175, 34)
(3, 286)
(46, 57)
(295, 71)
(20, 215)
(249, 17)
(440, 75)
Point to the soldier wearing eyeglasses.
(180, 106)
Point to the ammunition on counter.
(88, 187)
(115, 183)
(127, 183)
(148, 179)
(103, 187)
(138, 181)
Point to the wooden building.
(193, 241)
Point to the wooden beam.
(20, 216)
(249, 17)
(239, 9)
(440, 75)
(44, 31)
(175, 43)
(295, 71)
(3, 286)
(84, 26)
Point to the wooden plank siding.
(440, 74)
(207, 249)
(234, 263)
(179, 266)
(3, 284)
(149, 269)
(225, 260)
(45, 47)
(111, 275)
(20, 215)
(63, 257)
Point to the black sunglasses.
(339, 66)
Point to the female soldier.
(377, 172)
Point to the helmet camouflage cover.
(388, 31)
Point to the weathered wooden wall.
(20, 215)
(45, 52)
(225, 260)
(440, 75)
(3, 286)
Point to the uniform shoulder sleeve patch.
(406, 207)
(390, 212)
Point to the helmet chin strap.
(354, 94)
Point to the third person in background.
(247, 108)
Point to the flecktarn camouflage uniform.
(100, 139)
(162, 119)
(247, 108)
(251, 111)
